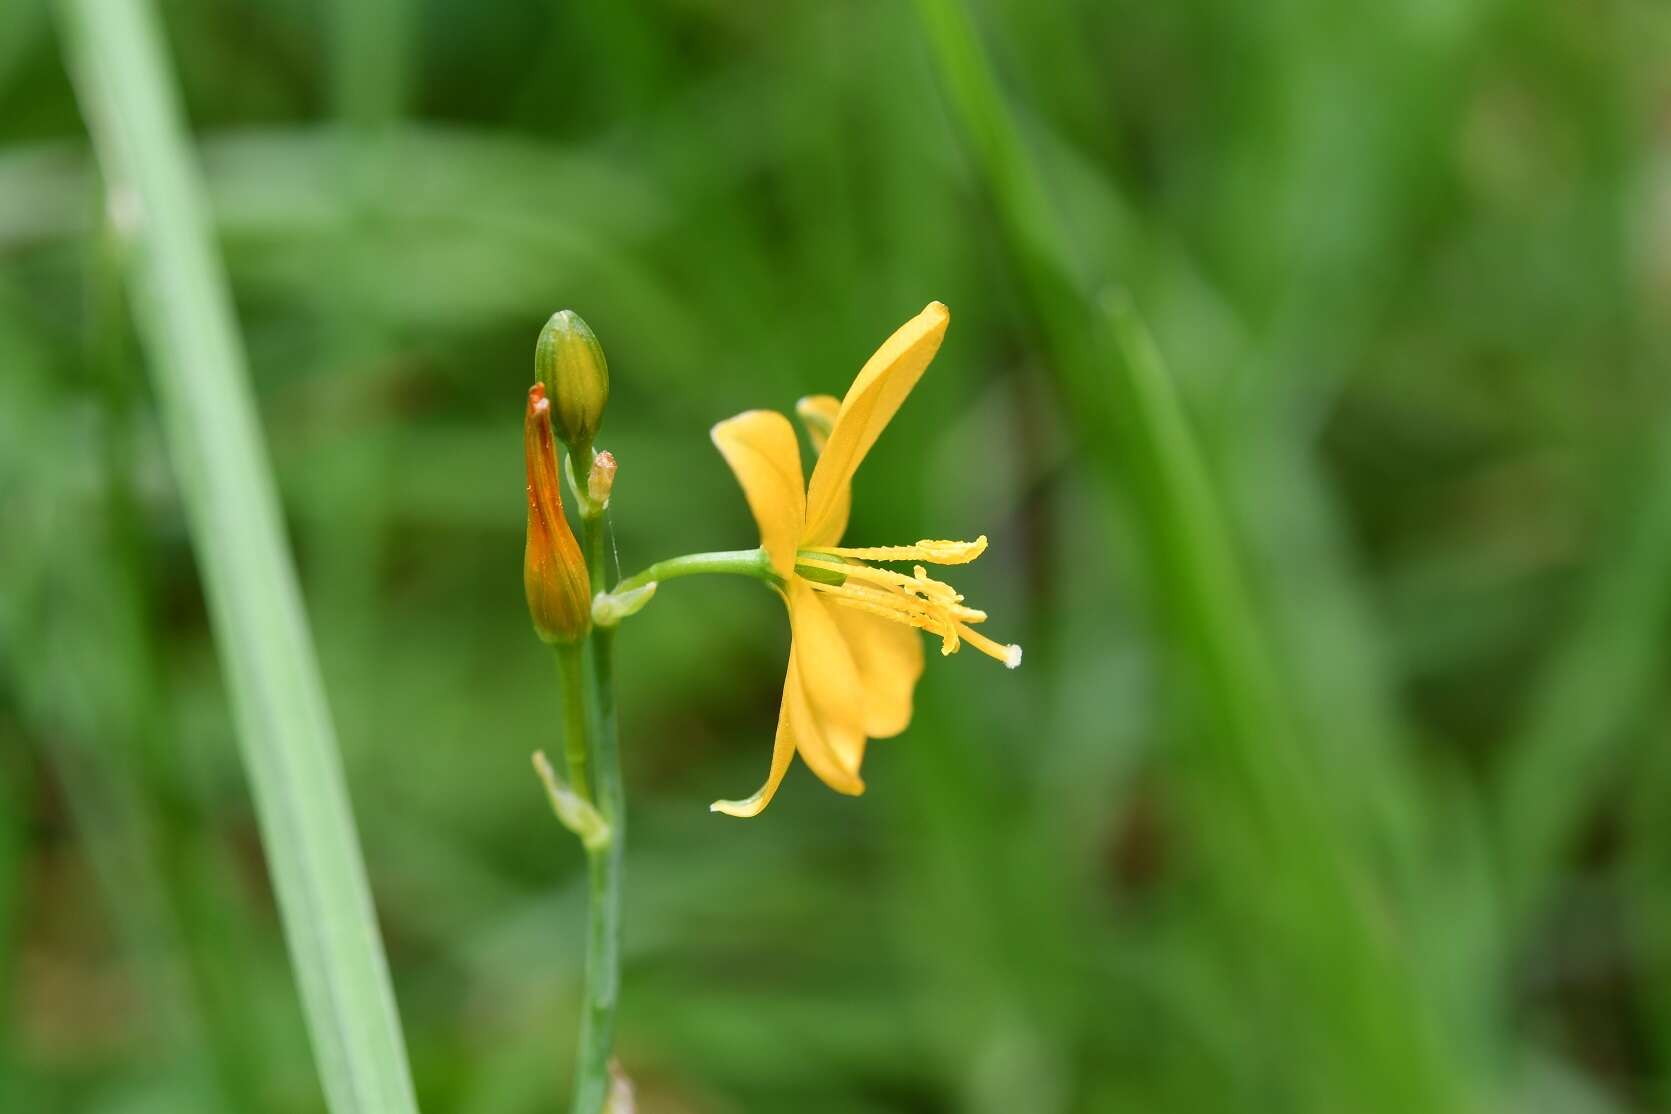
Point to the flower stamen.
(915, 600)
(1010, 655)
(933, 551)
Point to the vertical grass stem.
(197, 361)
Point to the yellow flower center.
(917, 600)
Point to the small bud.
(573, 811)
(553, 571)
(569, 362)
(621, 1100)
(602, 479)
(609, 608)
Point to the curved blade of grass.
(1282, 862)
(1590, 693)
(197, 361)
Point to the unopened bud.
(602, 479)
(553, 571)
(569, 361)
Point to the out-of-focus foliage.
(1409, 264)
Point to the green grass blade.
(1278, 848)
(186, 320)
(1589, 699)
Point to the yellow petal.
(834, 735)
(871, 403)
(813, 741)
(760, 447)
(839, 505)
(783, 749)
(890, 660)
(818, 414)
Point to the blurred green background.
(1377, 819)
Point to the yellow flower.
(854, 655)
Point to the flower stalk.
(568, 400)
(593, 1078)
(736, 562)
(592, 806)
(577, 741)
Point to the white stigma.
(1012, 656)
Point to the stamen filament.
(917, 600)
(888, 578)
(930, 550)
(914, 600)
(1010, 655)
(888, 607)
(949, 610)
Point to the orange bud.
(553, 571)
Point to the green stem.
(579, 469)
(576, 740)
(593, 527)
(603, 934)
(738, 562)
(603, 908)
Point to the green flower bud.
(569, 361)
